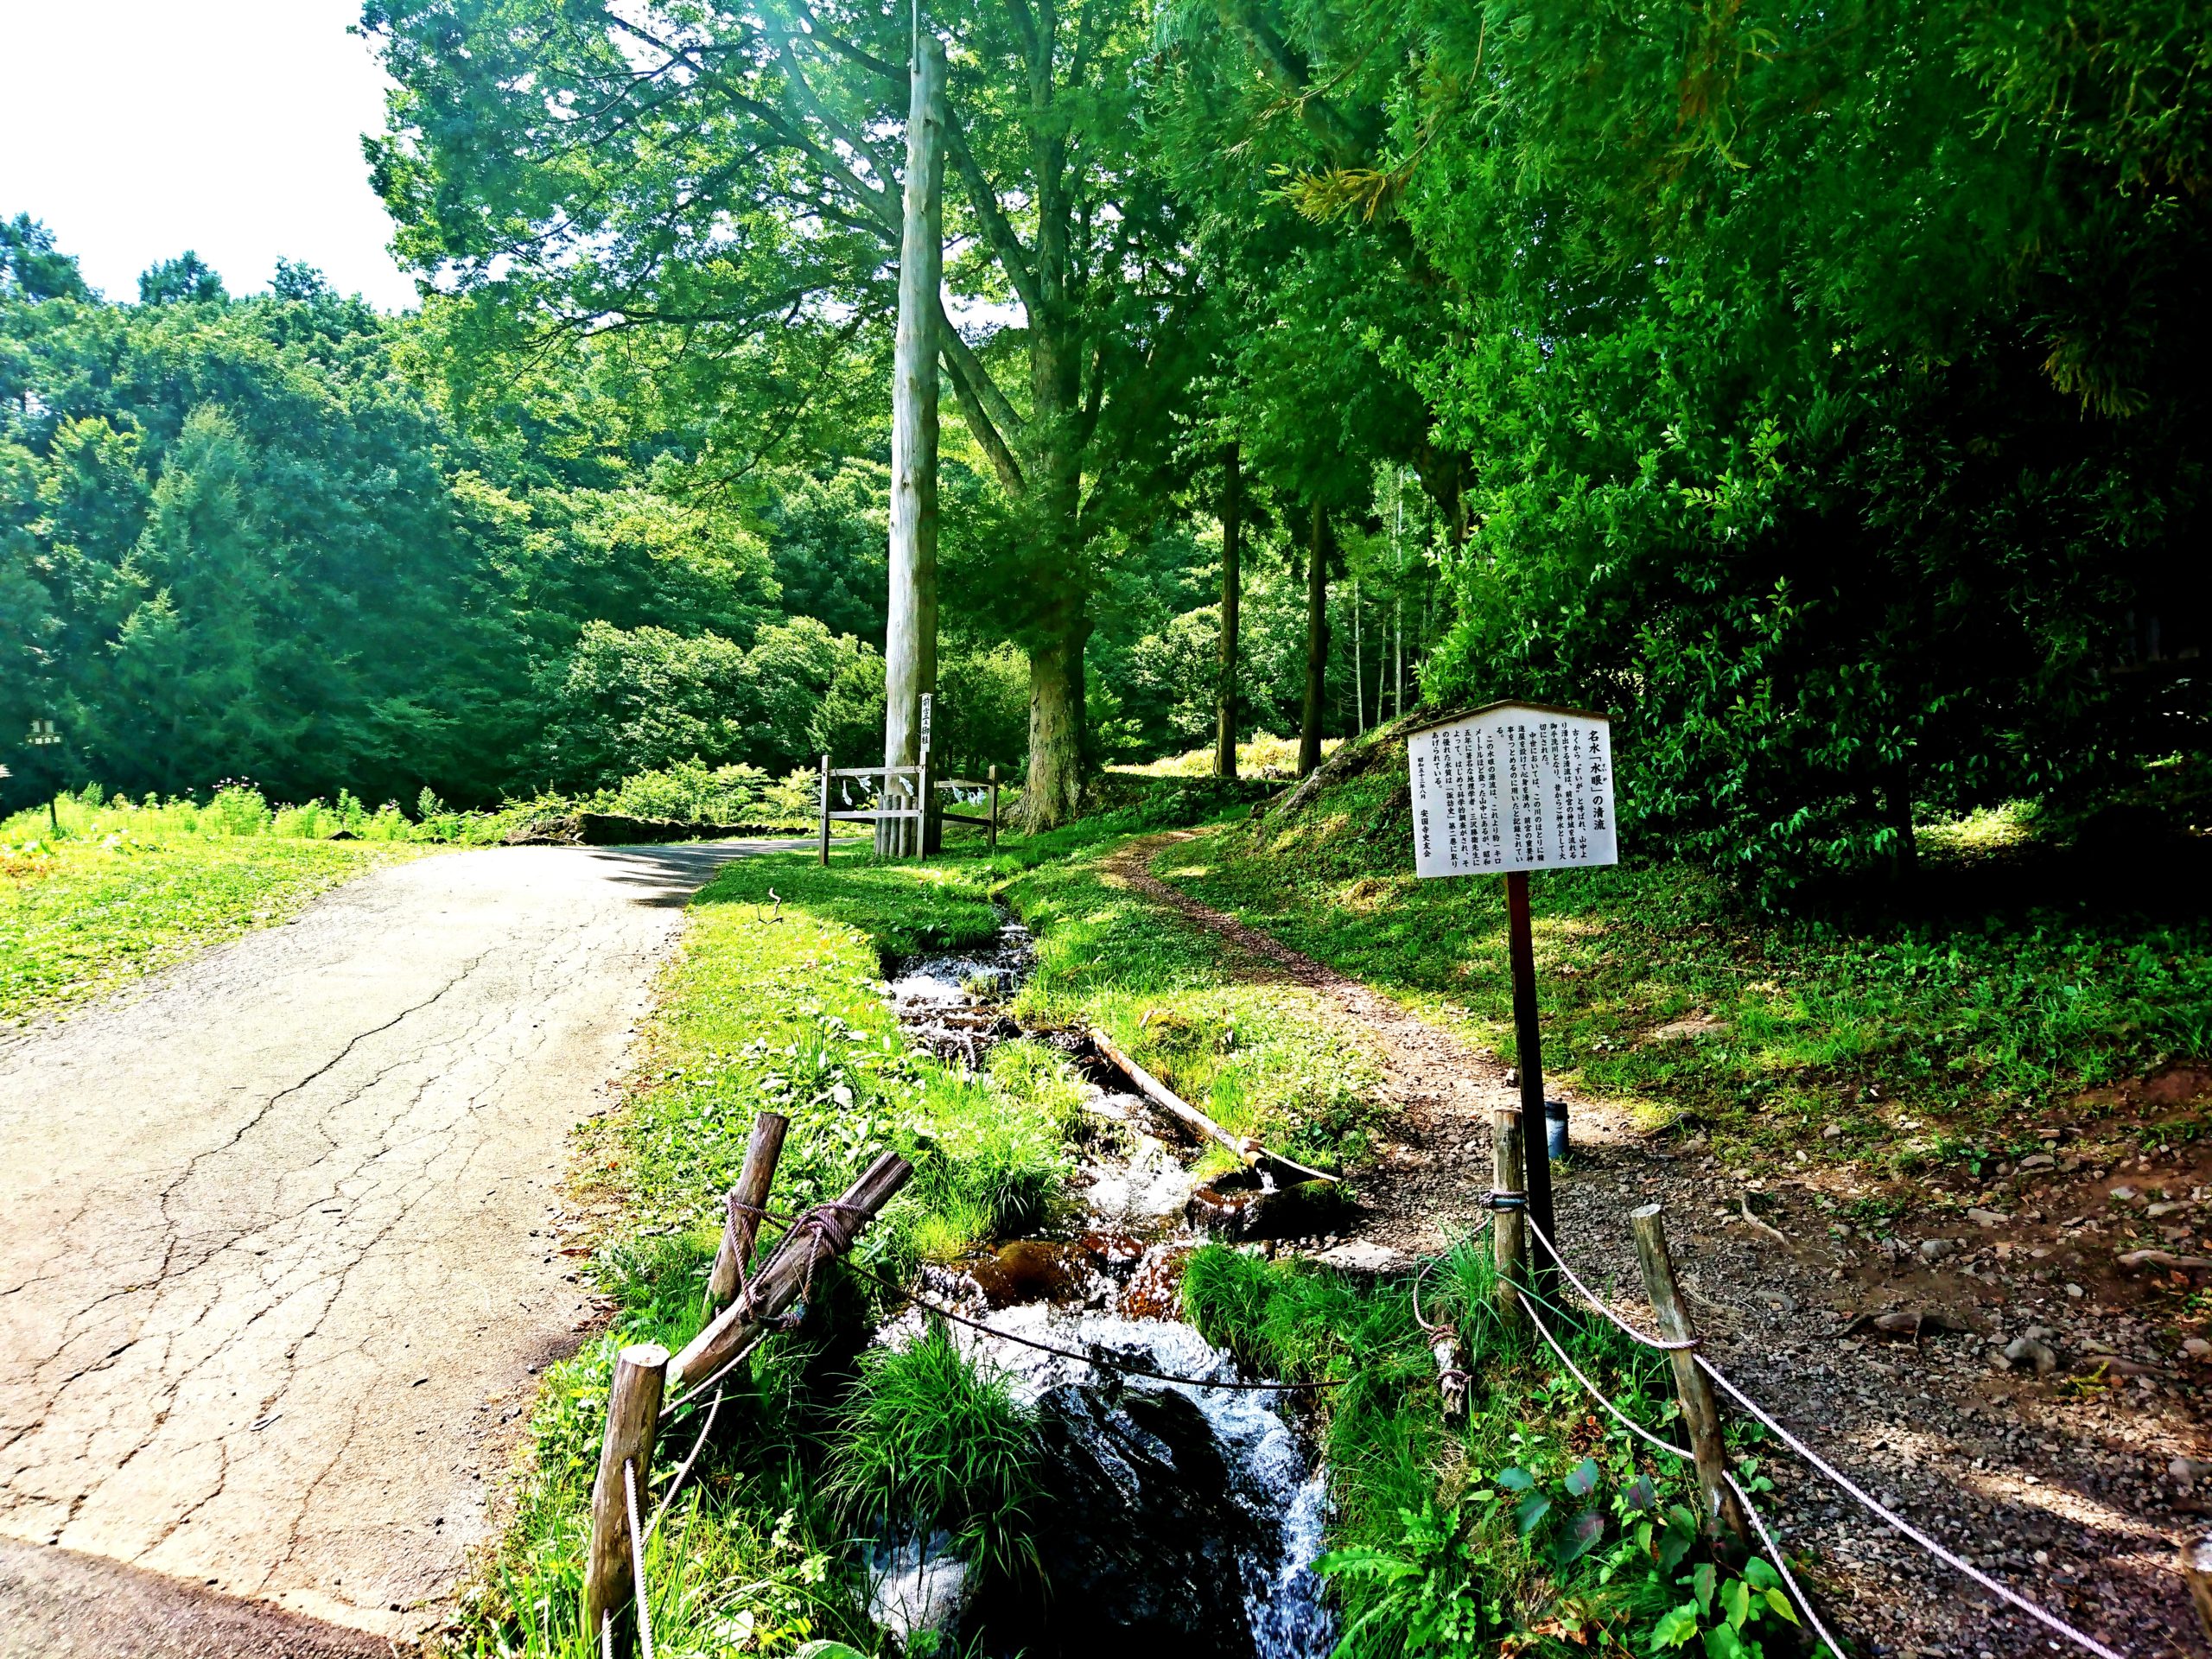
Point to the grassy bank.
(771, 1005)
(114, 897)
(1933, 1027)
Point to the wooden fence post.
(2196, 1567)
(1509, 1229)
(825, 808)
(742, 1225)
(784, 1277)
(1724, 1516)
(995, 811)
(632, 1416)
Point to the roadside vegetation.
(96, 888)
(123, 890)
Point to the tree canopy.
(1819, 390)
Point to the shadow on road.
(666, 877)
(63, 1605)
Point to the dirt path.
(278, 1269)
(2061, 1490)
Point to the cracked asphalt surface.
(277, 1268)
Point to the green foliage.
(930, 1440)
(1659, 987)
(1530, 1525)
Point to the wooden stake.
(1509, 1229)
(2196, 1567)
(632, 1416)
(1724, 1516)
(825, 809)
(1529, 1048)
(995, 811)
(787, 1274)
(742, 1224)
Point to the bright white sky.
(136, 129)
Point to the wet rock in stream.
(1245, 1204)
(1144, 1540)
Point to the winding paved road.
(277, 1264)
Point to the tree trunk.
(910, 637)
(1232, 591)
(1358, 665)
(1053, 794)
(1316, 643)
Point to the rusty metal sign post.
(1511, 788)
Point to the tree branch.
(988, 436)
(1287, 75)
(998, 231)
(1003, 413)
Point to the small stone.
(1935, 1249)
(2075, 1292)
(2123, 1193)
(2038, 1161)
(2196, 1347)
(1981, 1218)
(2166, 1209)
(1834, 1132)
(2026, 1351)
(2189, 1470)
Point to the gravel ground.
(2069, 1475)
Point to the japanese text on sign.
(1512, 787)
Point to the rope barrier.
(1597, 1393)
(1597, 1302)
(1781, 1566)
(2004, 1592)
(2050, 1620)
(637, 1559)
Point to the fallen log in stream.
(1248, 1150)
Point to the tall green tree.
(718, 173)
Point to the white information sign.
(1515, 786)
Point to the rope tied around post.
(1659, 1345)
(637, 1560)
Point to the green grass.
(1532, 1527)
(775, 1005)
(1259, 1058)
(1914, 1036)
(80, 915)
(930, 1440)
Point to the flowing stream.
(1186, 1514)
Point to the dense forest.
(1821, 391)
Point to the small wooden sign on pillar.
(1511, 788)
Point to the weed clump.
(932, 1441)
